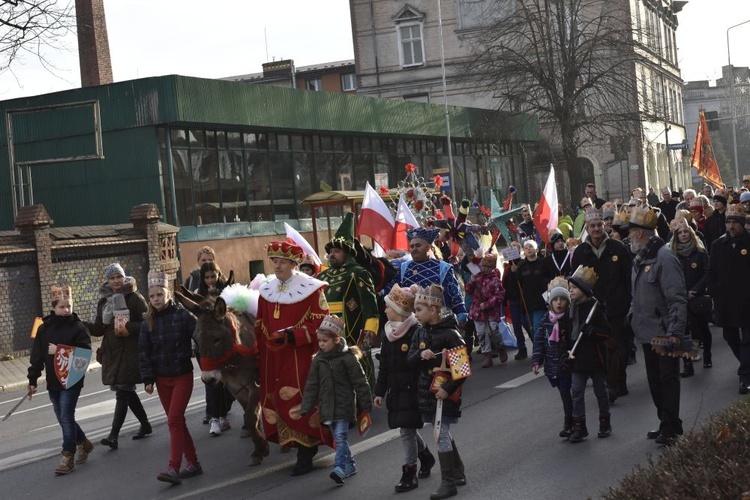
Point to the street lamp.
(445, 102)
(734, 105)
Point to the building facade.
(337, 76)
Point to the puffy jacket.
(549, 353)
(397, 382)
(166, 350)
(487, 295)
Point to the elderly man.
(612, 263)
(291, 307)
(659, 309)
(351, 292)
(730, 263)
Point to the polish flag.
(545, 215)
(375, 220)
(293, 235)
(404, 220)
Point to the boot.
(67, 464)
(502, 353)
(567, 430)
(121, 410)
(707, 360)
(426, 463)
(687, 368)
(447, 484)
(458, 473)
(135, 405)
(82, 451)
(579, 430)
(605, 428)
(409, 479)
(487, 360)
(305, 455)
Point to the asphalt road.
(507, 438)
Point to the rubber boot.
(305, 455)
(605, 428)
(82, 451)
(487, 360)
(121, 411)
(459, 476)
(579, 430)
(67, 464)
(567, 430)
(426, 463)
(135, 405)
(409, 479)
(687, 368)
(447, 484)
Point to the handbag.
(700, 305)
(509, 340)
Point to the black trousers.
(617, 354)
(663, 374)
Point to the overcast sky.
(220, 38)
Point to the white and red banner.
(293, 235)
(405, 220)
(545, 215)
(375, 219)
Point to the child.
(397, 382)
(166, 350)
(487, 295)
(335, 377)
(550, 347)
(62, 326)
(438, 332)
(590, 357)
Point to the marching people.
(658, 309)
(62, 327)
(588, 353)
(715, 225)
(166, 364)
(730, 263)
(438, 333)
(337, 384)
(119, 314)
(550, 348)
(533, 284)
(487, 294)
(519, 314)
(557, 262)
(397, 383)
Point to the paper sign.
(510, 254)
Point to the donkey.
(229, 354)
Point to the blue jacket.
(166, 351)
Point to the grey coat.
(659, 306)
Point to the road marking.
(517, 382)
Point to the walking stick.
(580, 334)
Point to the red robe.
(298, 303)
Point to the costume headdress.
(429, 235)
(285, 250)
(746, 178)
(736, 212)
(333, 324)
(558, 287)
(401, 300)
(344, 237)
(584, 278)
(585, 202)
(721, 195)
(608, 210)
(61, 293)
(643, 217)
(158, 278)
(310, 261)
(431, 296)
(593, 214)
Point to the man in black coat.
(730, 263)
(612, 263)
(715, 224)
(591, 194)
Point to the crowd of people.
(612, 275)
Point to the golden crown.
(587, 275)
(61, 293)
(400, 300)
(285, 250)
(620, 219)
(557, 282)
(643, 217)
(677, 224)
(158, 278)
(332, 324)
(432, 296)
(745, 178)
(736, 210)
(593, 214)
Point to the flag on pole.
(545, 215)
(375, 220)
(293, 235)
(404, 220)
(703, 155)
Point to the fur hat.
(584, 278)
(558, 287)
(285, 250)
(332, 324)
(401, 300)
(61, 293)
(430, 296)
(158, 278)
(736, 212)
(113, 269)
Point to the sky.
(219, 38)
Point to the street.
(507, 437)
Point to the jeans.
(663, 375)
(599, 381)
(64, 406)
(340, 431)
(520, 321)
(445, 440)
(739, 341)
(536, 319)
(174, 394)
(413, 445)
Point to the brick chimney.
(93, 45)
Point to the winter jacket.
(550, 354)
(487, 295)
(714, 227)
(613, 267)
(166, 350)
(695, 271)
(533, 283)
(560, 258)
(565, 225)
(397, 382)
(511, 283)
(338, 384)
(443, 335)
(659, 306)
(730, 263)
(591, 353)
(120, 354)
(66, 330)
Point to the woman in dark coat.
(119, 315)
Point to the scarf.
(394, 330)
(653, 241)
(685, 249)
(555, 318)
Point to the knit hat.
(61, 293)
(344, 238)
(745, 197)
(584, 278)
(555, 235)
(285, 250)
(558, 287)
(401, 300)
(113, 269)
(158, 278)
(430, 296)
(736, 213)
(332, 324)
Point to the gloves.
(288, 339)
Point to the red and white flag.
(405, 220)
(300, 240)
(375, 220)
(545, 215)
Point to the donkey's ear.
(230, 278)
(195, 297)
(189, 304)
(220, 309)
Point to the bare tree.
(569, 62)
(31, 26)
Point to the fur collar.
(129, 286)
(297, 288)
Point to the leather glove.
(288, 339)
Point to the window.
(315, 84)
(348, 82)
(411, 50)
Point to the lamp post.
(445, 102)
(734, 105)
